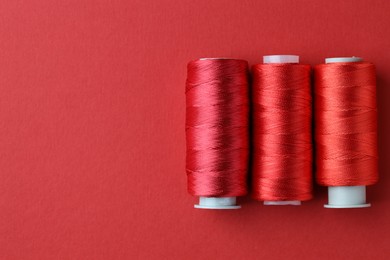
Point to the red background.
(92, 141)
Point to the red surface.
(92, 129)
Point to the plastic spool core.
(217, 203)
(214, 202)
(343, 59)
(281, 59)
(346, 196)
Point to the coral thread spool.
(344, 196)
(217, 131)
(282, 127)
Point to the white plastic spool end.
(346, 196)
(281, 59)
(343, 59)
(217, 203)
(283, 202)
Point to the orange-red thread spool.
(346, 130)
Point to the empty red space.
(92, 141)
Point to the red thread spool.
(282, 142)
(346, 130)
(217, 131)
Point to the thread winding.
(282, 142)
(217, 127)
(346, 124)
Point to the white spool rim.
(343, 59)
(217, 203)
(328, 206)
(280, 59)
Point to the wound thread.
(346, 124)
(217, 127)
(281, 139)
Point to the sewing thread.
(281, 139)
(217, 127)
(346, 124)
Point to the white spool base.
(281, 59)
(347, 197)
(282, 203)
(217, 203)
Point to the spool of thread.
(282, 141)
(346, 130)
(217, 131)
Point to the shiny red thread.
(346, 124)
(282, 142)
(217, 118)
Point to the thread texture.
(217, 127)
(282, 140)
(346, 124)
